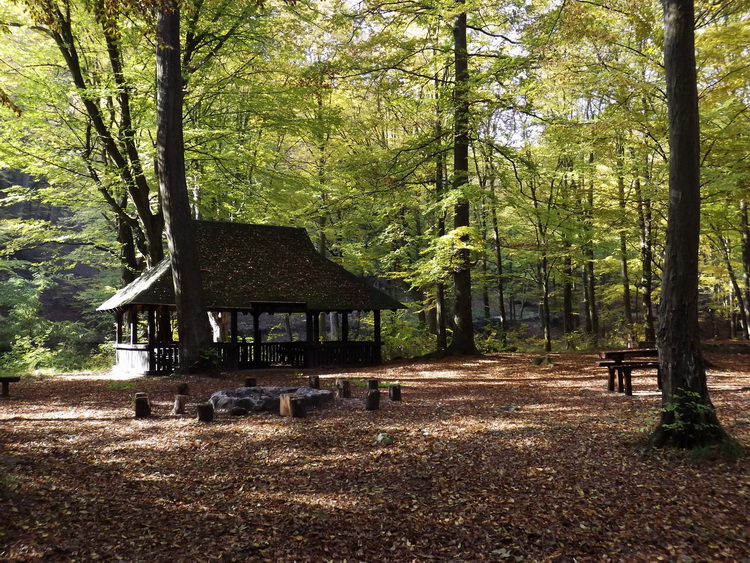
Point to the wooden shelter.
(250, 270)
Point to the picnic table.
(623, 362)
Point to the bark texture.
(688, 418)
(463, 330)
(192, 321)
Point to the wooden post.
(628, 380)
(118, 327)
(292, 405)
(344, 326)
(151, 317)
(206, 412)
(133, 319)
(372, 383)
(182, 389)
(233, 323)
(250, 382)
(314, 381)
(316, 328)
(372, 400)
(298, 407)
(343, 388)
(142, 406)
(179, 404)
(378, 342)
(256, 337)
(394, 392)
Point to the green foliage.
(402, 338)
(30, 342)
(362, 382)
(121, 386)
(689, 419)
(580, 340)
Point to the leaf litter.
(488, 459)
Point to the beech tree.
(463, 331)
(688, 418)
(192, 320)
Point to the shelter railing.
(152, 359)
(163, 358)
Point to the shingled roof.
(258, 266)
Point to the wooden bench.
(623, 362)
(6, 381)
(624, 371)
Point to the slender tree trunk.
(645, 231)
(568, 317)
(192, 321)
(128, 260)
(500, 277)
(724, 247)
(688, 419)
(591, 274)
(463, 330)
(745, 226)
(626, 298)
(544, 309)
(440, 175)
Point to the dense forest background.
(343, 118)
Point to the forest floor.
(493, 460)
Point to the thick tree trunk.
(463, 330)
(192, 321)
(688, 419)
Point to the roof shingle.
(245, 266)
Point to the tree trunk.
(645, 231)
(463, 331)
(440, 175)
(192, 321)
(589, 253)
(544, 309)
(569, 324)
(745, 225)
(723, 246)
(500, 276)
(626, 298)
(688, 419)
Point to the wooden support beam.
(118, 327)
(256, 336)
(344, 326)
(234, 327)
(133, 319)
(151, 318)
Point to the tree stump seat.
(6, 381)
